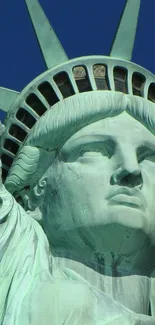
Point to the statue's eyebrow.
(148, 146)
(88, 138)
(73, 145)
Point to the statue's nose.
(128, 173)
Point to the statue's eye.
(145, 154)
(150, 157)
(88, 150)
(95, 151)
(90, 153)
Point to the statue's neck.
(122, 271)
(131, 291)
(113, 255)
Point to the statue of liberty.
(77, 208)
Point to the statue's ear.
(38, 192)
(32, 199)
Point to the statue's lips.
(126, 200)
(127, 197)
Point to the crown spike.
(50, 46)
(7, 97)
(123, 43)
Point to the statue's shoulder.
(6, 203)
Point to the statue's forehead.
(121, 126)
(111, 125)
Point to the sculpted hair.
(64, 119)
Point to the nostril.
(113, 180)
(131, 180)
(126, 178)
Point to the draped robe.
(33, 290)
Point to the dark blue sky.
(84, 27)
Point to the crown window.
(138, 82)
(101, 77)
(11, 146)
(63, 82)
(4, 174)
(151, 92)
(120, 79)
(7, 160)
(17, 132)
(81, 78)
(35, 103)
(49, 94)
(25, 117)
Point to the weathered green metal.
(81, 248)
(48, 76)
(7, 97)
(88, 190)
(50, 45)
(125, 36)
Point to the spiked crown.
(65, 77)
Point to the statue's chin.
(129, 216)
(111, 228)
(124, 230)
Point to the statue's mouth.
(126, 200)
(127, 197)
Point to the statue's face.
(104, 174)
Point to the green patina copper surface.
(125, 36)
(7, 97)
(50, 46)
(77, 209)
